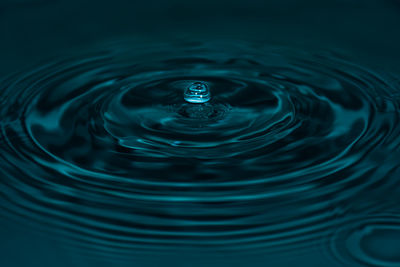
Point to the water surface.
(295, 157)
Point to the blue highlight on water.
(197, 93)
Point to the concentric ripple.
(371, 241)
(105, 148)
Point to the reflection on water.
(294, 152)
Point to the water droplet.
(197, 92)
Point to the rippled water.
(295, 150)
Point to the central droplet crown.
(197, 92)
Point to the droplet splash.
(197, 93)
(103, 151)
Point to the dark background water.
(367, 33)
(31, 30)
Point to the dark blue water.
(294, 149)
(198, 152)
